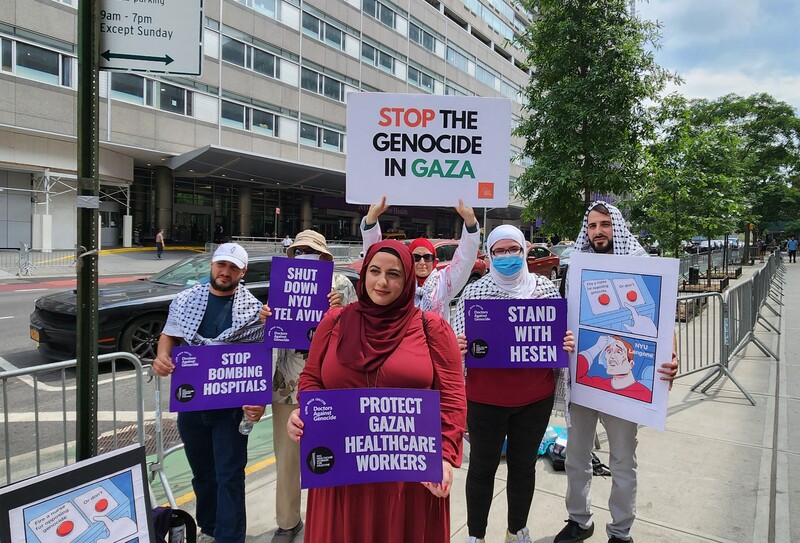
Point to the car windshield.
(565, 252)
(185, 273)
(559, 249)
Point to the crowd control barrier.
(713, 328)
(41, 405)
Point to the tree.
(695, 179)
(585, 118)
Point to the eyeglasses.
(305, 251)
(427, 258)
(515, 250)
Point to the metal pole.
(88, 205)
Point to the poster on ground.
(516, 333)
(624, 325)
(102, 499)
(298, 298)
(220, 376)
(428, 150)
(370, 435)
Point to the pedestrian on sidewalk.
(504, 404)
(308, 245)
(762, 250)
(435, 287)
(221, 311)
(603, 231)
(159, 243)
(791, 246)
(382, 340)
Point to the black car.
(131, 315)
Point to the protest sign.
(624, 324)
(370, 435)
(298, 298)
(515, 333)
(104, 498)
(219, 376)
(419, 149)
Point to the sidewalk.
(723, 471)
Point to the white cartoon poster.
(100, 500)
(622, 311)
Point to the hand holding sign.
(376, 210)
(467, 213)
(442, 490)
(294, 426)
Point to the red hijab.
(369, 332)
(422, 242)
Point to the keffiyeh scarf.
(624, 243)
(189, 307)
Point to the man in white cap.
(220, 311)
(289, 363)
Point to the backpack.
(173, 526)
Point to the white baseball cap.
(231, 252)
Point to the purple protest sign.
(218, 376)
(298, 297)
(516, 333)
(370, 435)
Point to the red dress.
(389, 512)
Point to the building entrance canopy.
(235, 165)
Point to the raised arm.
(456, 275)
(370, 226)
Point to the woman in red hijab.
(379, 341)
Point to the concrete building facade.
(255, 145)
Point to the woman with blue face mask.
(503, 404)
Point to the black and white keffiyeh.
(623, 242)
(188, 308)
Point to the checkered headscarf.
(623, 242)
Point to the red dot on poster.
(101, 505)
(65, 528)
(604, 299)
(632, 296)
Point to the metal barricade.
(34, 454)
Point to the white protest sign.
(419, 149)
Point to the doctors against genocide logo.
(485, 190)
(318, 410)
(278, 334)
(186, 360)
(320, 460)
(184, 393)
(479, 348)
(478, 314)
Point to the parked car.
(445, 249)
(131, 315)
(563, 253)
(543, 261)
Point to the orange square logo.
(485, 190)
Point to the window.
(420, 79)
(311, 25)
(421, 37)
(457, 59)
(334, 36)
(233, 115)
(331, 140)
(267, 7)
(378, 11)
(315, 136)
(263, 123)
(171, 98)
(485, 76)
(233, 51)
(38, 64)
(6, 55)
(308, 134)
(309, 80)
(128, 88)
(264, 63)
(333, 89)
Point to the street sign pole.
(88, 206)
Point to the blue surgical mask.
(507, 265)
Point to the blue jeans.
(217, 455)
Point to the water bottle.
(245, 427)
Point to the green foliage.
(695, 179)
(585, 117)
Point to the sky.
(730, 46)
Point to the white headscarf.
(623, 242)
(522, 284)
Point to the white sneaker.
(473, 539)
(523, 536)
(205, 538)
